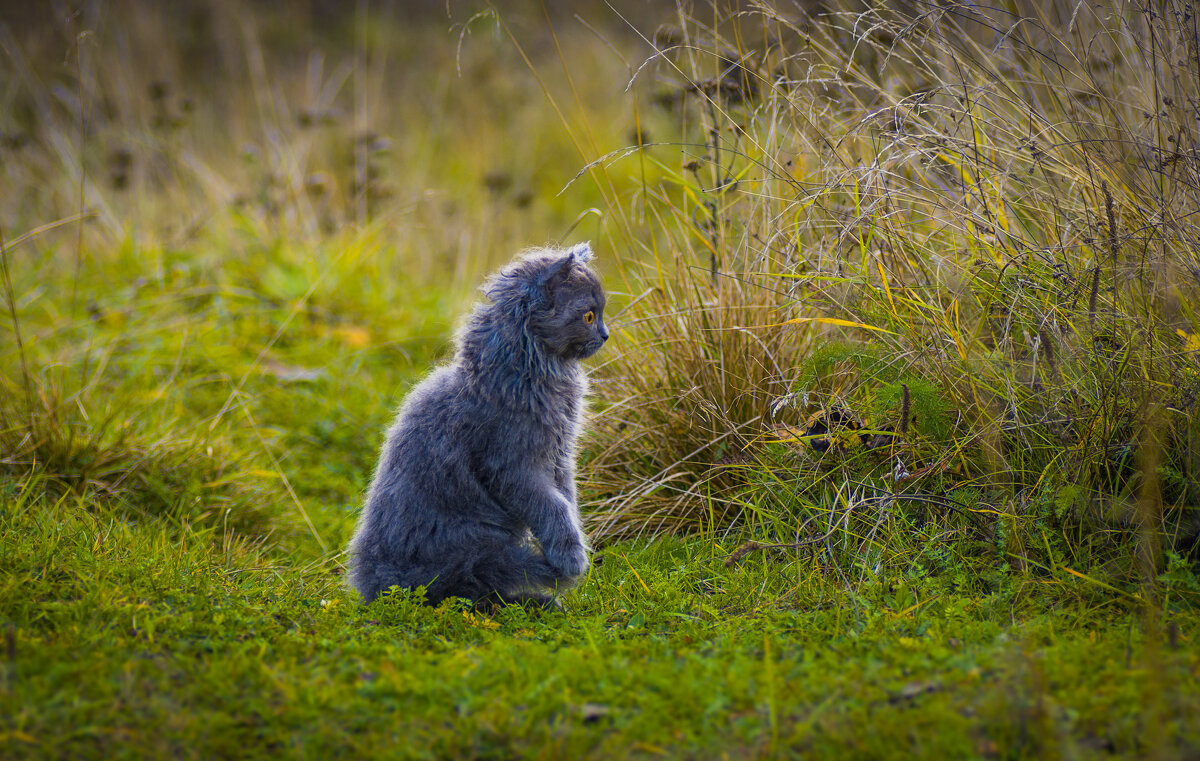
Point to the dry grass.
(994, 208)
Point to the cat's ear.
(555, 274)
(582, 252)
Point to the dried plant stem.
(1113, 246)
(1092, 294)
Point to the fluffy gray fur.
(474, 494)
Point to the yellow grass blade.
(826, 321)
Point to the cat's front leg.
(564, 479)
(560, 534)
(534, 499)
(568, 557)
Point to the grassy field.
(894, 450)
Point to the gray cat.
(474, 494)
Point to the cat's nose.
(603, 332)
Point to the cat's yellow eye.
(589, 318)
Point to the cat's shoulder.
(441, 386)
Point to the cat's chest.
(556, 401)
(559, 424)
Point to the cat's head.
(563, 300)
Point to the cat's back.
(425, 458)
(434, 392)
(432, 410)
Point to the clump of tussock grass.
(995, 203)
(120, 456)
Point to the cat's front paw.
(568, 560)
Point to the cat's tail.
(370, 577)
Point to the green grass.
(129, 640)
(207, 330)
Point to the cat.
(474, 495)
